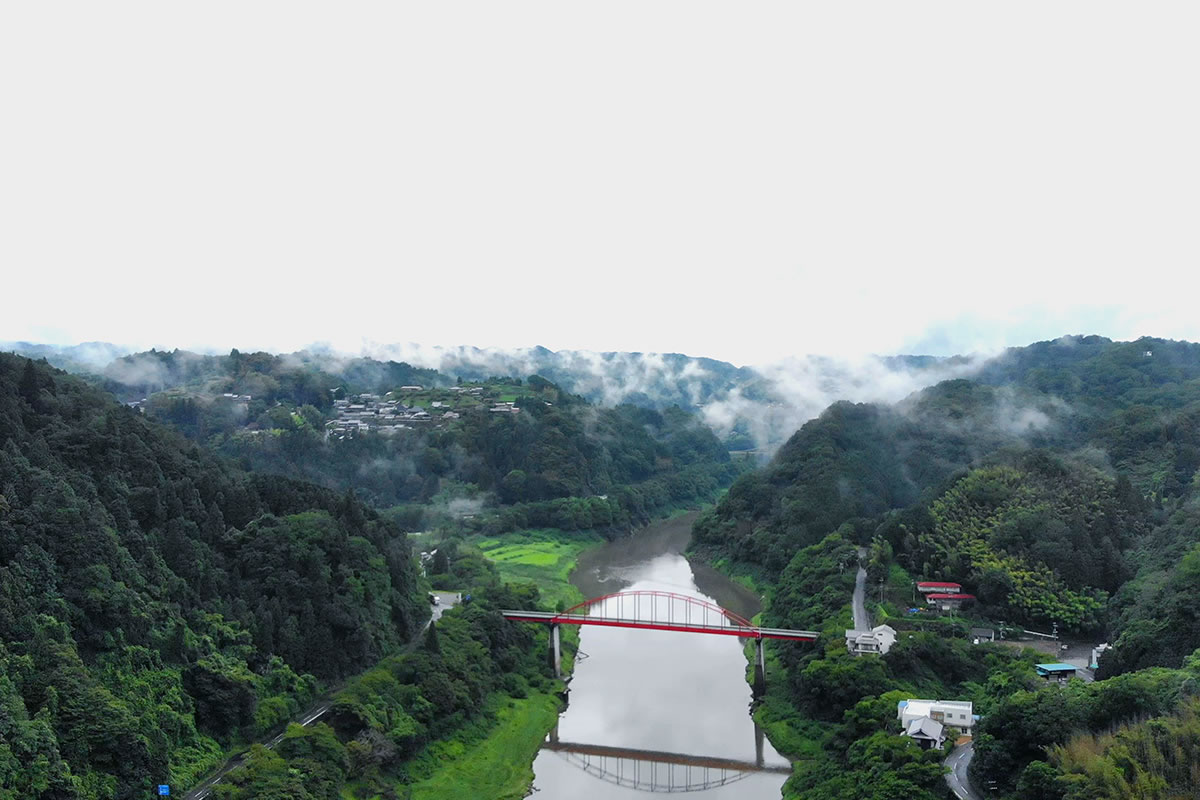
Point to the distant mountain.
(748, 407)
(88, 357)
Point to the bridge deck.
(550, 618)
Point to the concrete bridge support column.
(555, 651)
(760, 669)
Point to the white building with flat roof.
(951, 713)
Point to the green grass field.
(499, 766)
(545, 557)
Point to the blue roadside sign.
(164, 790)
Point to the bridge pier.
(555, 651)
(760, 669)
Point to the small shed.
(982, 635)
(1054, 671)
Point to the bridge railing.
(659, 610)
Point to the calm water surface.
(672, 697)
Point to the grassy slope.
(499, 765)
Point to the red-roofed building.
(934, 587)
(948, 601)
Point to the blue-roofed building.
(1057, 671)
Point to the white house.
(878, 640)
(951, 713)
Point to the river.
(658, 711)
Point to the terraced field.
(545, 557)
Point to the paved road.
(957, 778)
(862, 622)
(446, 601)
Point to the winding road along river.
(658, 711)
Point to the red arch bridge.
(652, 610)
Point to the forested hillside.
(857, 461)
(388, 727)
(557, 446)
(1020, 492)
(1059, 486)
(395, 434)
(156, 602)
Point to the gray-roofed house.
(982, 635)
(928, 733)
(878, 640)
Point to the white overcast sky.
(736, 180)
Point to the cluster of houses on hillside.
(878, 640)
(931, 723)
(370, 412)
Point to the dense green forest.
(1058, 485)
(377, 734)
(1044, 505)
(158, 604)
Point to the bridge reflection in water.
(660, 772)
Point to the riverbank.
(495, 760)
(499, 764)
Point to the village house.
(948, 602)
(946, 713)
(927, 733)
(876, 641)
(938, 587)
(980, 635)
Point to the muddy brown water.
(654, 712)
